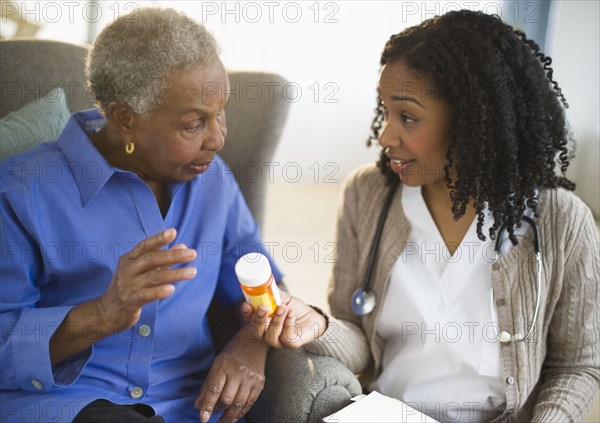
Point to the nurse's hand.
(293, 325)
(235, 379)
(143, 275)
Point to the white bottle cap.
(253, 269)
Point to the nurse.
(471, 128)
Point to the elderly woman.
(462, 319)
(119, 332)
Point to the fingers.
(210, 393)
(272, 330)
(252, 397)
(165, 258)
(161, 285)
(154, 242)
(237, 405)
(157, 277)
(285, 297)
(148, 254)
(259, 323)
(144, 274)
(290, 336)
(247, 312)
(150, 265)
(231, 393)
(279, 331)
(148, 295)
(234, 381)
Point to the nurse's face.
(414, 131)
(180, 138)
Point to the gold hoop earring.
(129, 148)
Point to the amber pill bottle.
(258, 284)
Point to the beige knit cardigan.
(551, 377)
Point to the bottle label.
(265, 300)
(275, 291)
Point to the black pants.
(103, 411)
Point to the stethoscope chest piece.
(363, 302)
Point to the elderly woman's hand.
(143, 275)
(293, 325)
(235, 379)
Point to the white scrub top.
(442, 355)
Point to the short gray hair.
(133, 56)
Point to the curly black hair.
(507, 131)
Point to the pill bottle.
(258, 284)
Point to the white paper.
(378, 408)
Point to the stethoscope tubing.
(377, 237)
(505, 336)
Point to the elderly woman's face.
(415, 128)
(180, 138)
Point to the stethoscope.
(363, 300)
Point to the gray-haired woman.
(124, 329)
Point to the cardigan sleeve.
(571, 370)
(344, 338)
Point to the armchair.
(300, 386)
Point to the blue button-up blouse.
(67, 217)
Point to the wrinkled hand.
(235, 379)
(293, 325)
(143, 275)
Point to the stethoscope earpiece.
(363, 302)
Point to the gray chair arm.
(303, 387)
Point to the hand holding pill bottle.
(258, 284)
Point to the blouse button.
(37, 384)
(144, 330)
(500, 302)
(495, 267)
(510, 380)
(136, 392)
